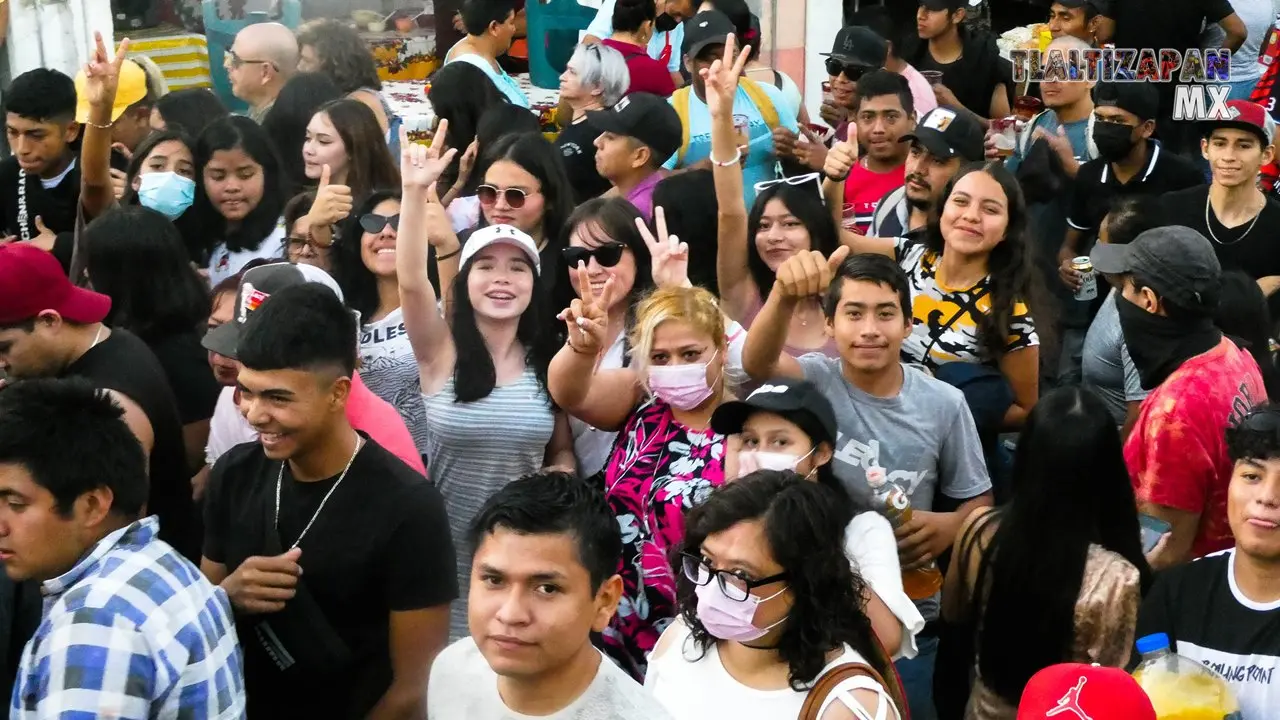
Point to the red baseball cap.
(1243, 115)
(32, 281)
(1072, 691)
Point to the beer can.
(1088, 289)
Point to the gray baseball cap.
(1177, 262)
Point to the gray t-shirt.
(1106, 366)
(463, 685)
(924, 438)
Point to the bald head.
(271, 42)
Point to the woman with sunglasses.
(666, 456)
(769, 604)
(788, 217)
(483, 371)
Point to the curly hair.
(804, 524)
(343, 56)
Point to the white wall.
(823, 19)
(55, 35)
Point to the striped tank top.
(474, 449)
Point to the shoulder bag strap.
(817, 696)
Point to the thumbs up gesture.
(45, 238)
(808, 273)
(842, 157)
(333, 202)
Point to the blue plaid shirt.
(132, 631)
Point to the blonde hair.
(694, 306)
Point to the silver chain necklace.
(1209, 226)
(325, 499)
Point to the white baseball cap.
(492, 234)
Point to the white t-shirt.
(463, 686)
(389, 369)
(224, 263)
(873, 550)
(227, 427)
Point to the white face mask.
(750, 461)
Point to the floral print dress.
(658, 470)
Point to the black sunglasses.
(515, 197)
(733, 585)
(836, 66)
(373, 223)
(1261, 420)
(607, 255)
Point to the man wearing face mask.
(1200, 384)
(1129, 162)
(668, 35)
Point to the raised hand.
(669, 258)
(812, 153)
(842, 157)
(439, 227)
(102, 72)
(421, 167)
(333, 202)
(808, 273)
(721, 79)
(586, 318)
(468, 161)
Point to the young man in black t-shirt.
(1237, 217)
(974, 76)
(355, 635)
(39, 183)
(1222, 610)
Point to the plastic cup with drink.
(1005, 136)
(933, 76)
(1026, 107)
(827, 97)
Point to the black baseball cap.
(945, 4)
(947, 133)
(859, 45)
(1139, 98)
(1177, 262)
(706, 28)
(257, 285)
(1100, 6)
(645, 117)
(796, 400)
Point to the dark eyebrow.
(278, 393)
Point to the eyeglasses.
(607, 255)
(297, 243)
(733, 585)
(373, 223)
(815, 178)
(854, 72)
(233, 60)
(515, 197)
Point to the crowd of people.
(703, 407)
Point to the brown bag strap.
(828, 682)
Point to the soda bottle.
(1181, 688)
(921, 583)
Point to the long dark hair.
(231, 133)
(543, 161)
(190, 110)
(286, 121)
(1242, 314)
(685, 198)
(1071, 491)
(193, 238)
(496, 123)
(804, 524)
(460, 93)
(135, 256)
(359, 284)
(1008, 265)
(474, 375)
(807, 206)
(369, 163)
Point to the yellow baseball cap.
(131, 88)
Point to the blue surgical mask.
(167, 192)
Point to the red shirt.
(380, 421)
(647, 75)
(1177, 452)
(863, 190)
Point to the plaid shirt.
(132, 631)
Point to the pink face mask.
(730, 619)
(683, 387)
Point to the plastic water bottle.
(1181, 688)
(921, 583)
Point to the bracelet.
(448, 255)
(737, 158)
(92, 124)
(569, 343)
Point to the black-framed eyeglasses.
(732, 583)
(373, 223)
(235, 61)
(297, 243)
(836, 66)
(515, 197)
(606, 255)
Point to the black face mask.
(1114, 140)
(1159, 345)
(665, 23)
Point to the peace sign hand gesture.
(722, 78)
(102, 72)
(669, 257)
(586, 318)
(421, 167)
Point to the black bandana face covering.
(1159, 345)
(665, 23)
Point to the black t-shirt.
(1210, 621)
(1096, 186)
(125, 364)
(186, 365)
(56, 206)
(1250, 247)
(1174, 24)
(380, 545)
(577, 146)
(974, 76)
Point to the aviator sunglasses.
(515, 197)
